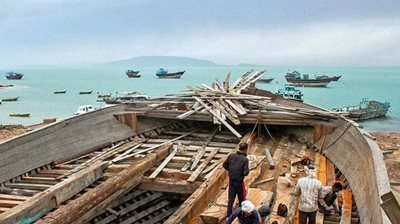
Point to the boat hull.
(14, 77)
(133, 74)
(308, 83)
(20, 115)
(175, 75)
(265, 80)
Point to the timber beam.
(169, 185)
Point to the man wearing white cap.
(246, 214)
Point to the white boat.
(84, 109)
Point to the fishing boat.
(324, 76)
(85, 92)
(84, 109)
(290, 92)
(268, 80)
(14, 75)
(162, 162)
(127, 97)
(60, 91)
(10, 99)
(104, 95)
(6, 85)
(367, 109)
(132, 74)
(295, 78)
(19, 114)
(164, 74)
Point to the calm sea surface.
(37, 86)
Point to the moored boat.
(19, 114)
(85, 92)
(332, 78)
(60, 91)
(104, 95)
(164, 74)
(268, 80)
(132, 74)
(290, 92)
(14, 75)
(84, 109)
(10, 99)
(295, 78)
(367, 109)
(126, 97)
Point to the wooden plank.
(9, 203)
(218, 117)
(271, 162)
(38, 187)
(330, 173)
(201, 152)
(169, 185)
(237, 106)
(225, 112)
(391, 207)
(199, 169)
(346, 207)
(163, 164)
(57, 194)
(190, 112)
(322, 170)
(13, 197)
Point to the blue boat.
(164, 74)
(290, 92)
(14, 75)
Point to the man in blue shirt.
(246, 214)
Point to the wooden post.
(346, 208)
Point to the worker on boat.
(310, 191)
(329, 194)
(246, 214)
(237, 166)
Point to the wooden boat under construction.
(159, 161)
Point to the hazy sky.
(279, 32)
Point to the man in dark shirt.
(237, 166)
(245, 214)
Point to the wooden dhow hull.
(132, 164)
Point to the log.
(121, 183)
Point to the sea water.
(36, 89)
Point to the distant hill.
(158, 61)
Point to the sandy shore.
(389, 142)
